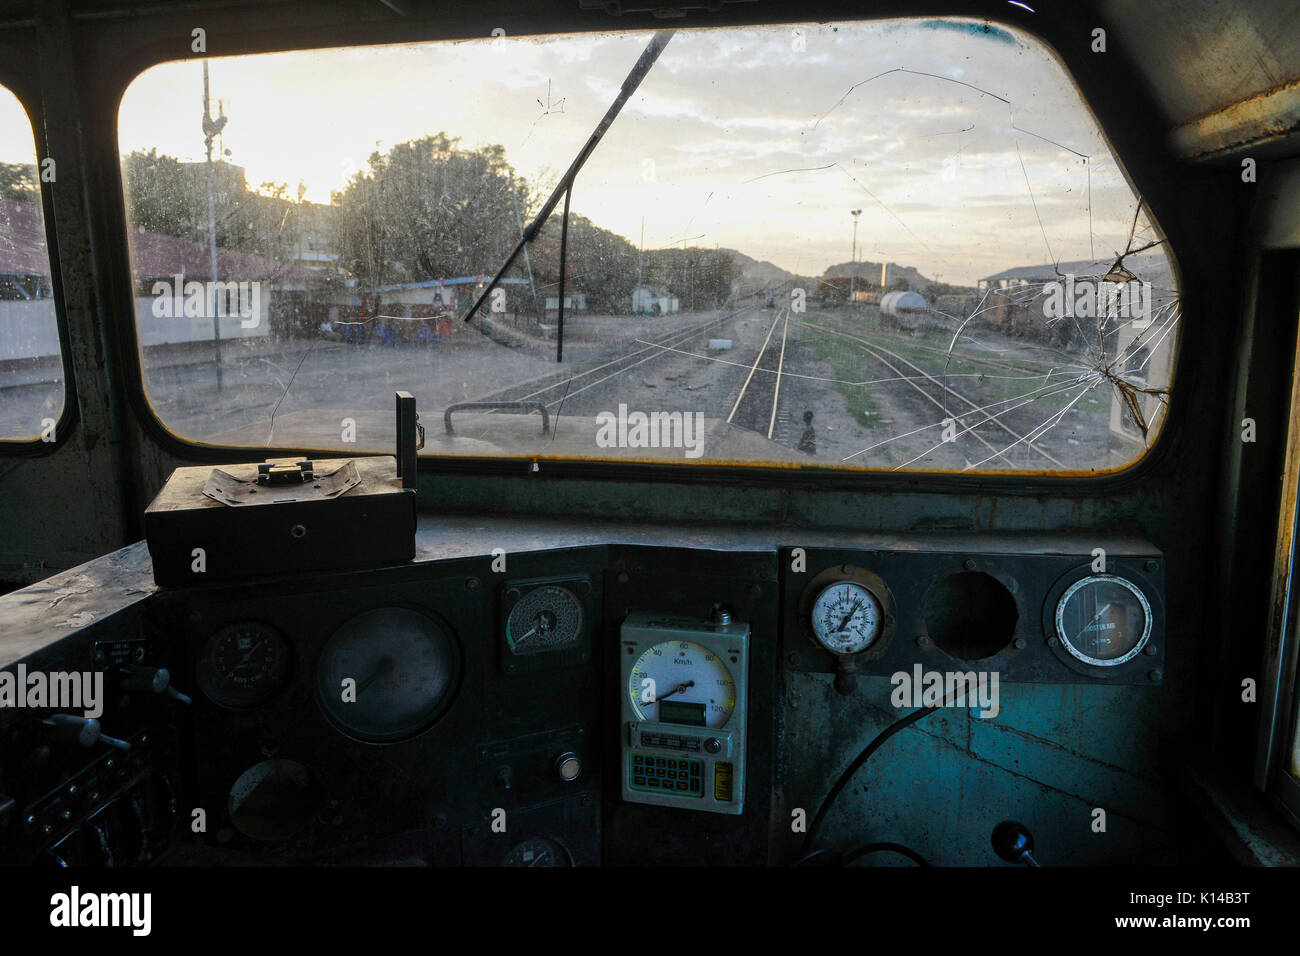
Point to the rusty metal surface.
(1203, 56)
(43, 613)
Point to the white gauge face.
(693, 684)
(846, 618)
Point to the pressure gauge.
(846, 617)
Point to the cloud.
(940, 168)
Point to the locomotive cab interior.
(716, 434)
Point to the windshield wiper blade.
(634, 78)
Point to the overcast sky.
(942, 172)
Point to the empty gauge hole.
(970, 615)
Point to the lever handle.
(158, 680)
(85, 731)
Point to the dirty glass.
(899, 245)
(31, 359)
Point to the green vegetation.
(848, 365)
(985, 382)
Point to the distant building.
(573, 302)
(999, 308)
(313, 235)
(649, 301)
(1143, 341)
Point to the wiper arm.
(634, 78)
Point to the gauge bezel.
(868, 580)
(1078, 585)
(580, 586)
(880, 618)
(449, 696)
(203, 673)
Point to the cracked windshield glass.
(898, 245)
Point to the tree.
(169, 197)
(600, 263)
(429, 209)
(19, 182)
(700, 278)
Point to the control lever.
(1014, 843)
(82, 730)
(158, 680)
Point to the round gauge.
(548, 618)
(537, 852)
(693, 684)
(387, 674)
(1103, 620)
(846, 618)
(244, 664)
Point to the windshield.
(31, 355)
(891, 245)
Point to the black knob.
(157, 680)
(81, 730)
(1014, 843)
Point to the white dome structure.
(898, 302)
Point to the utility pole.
(211, 128)
(853, 273)
(537, 309)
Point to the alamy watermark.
(77, 909)
(175, 298)
(626, 429)
(1093, 299)
(56, 690)
(922, 688)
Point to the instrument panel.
(608, 703)
(1031, 617)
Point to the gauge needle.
(848, 617)
(244, 660)
(1104, 608)
(676, 690)
(384, 667)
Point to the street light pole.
(210, 130)
(853, 275)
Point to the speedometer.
(681, 682)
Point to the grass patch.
(847, 366)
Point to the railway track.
(756, 404)
(562, 389)
(879, 353)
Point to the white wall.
(28, 329)
(153, 330)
